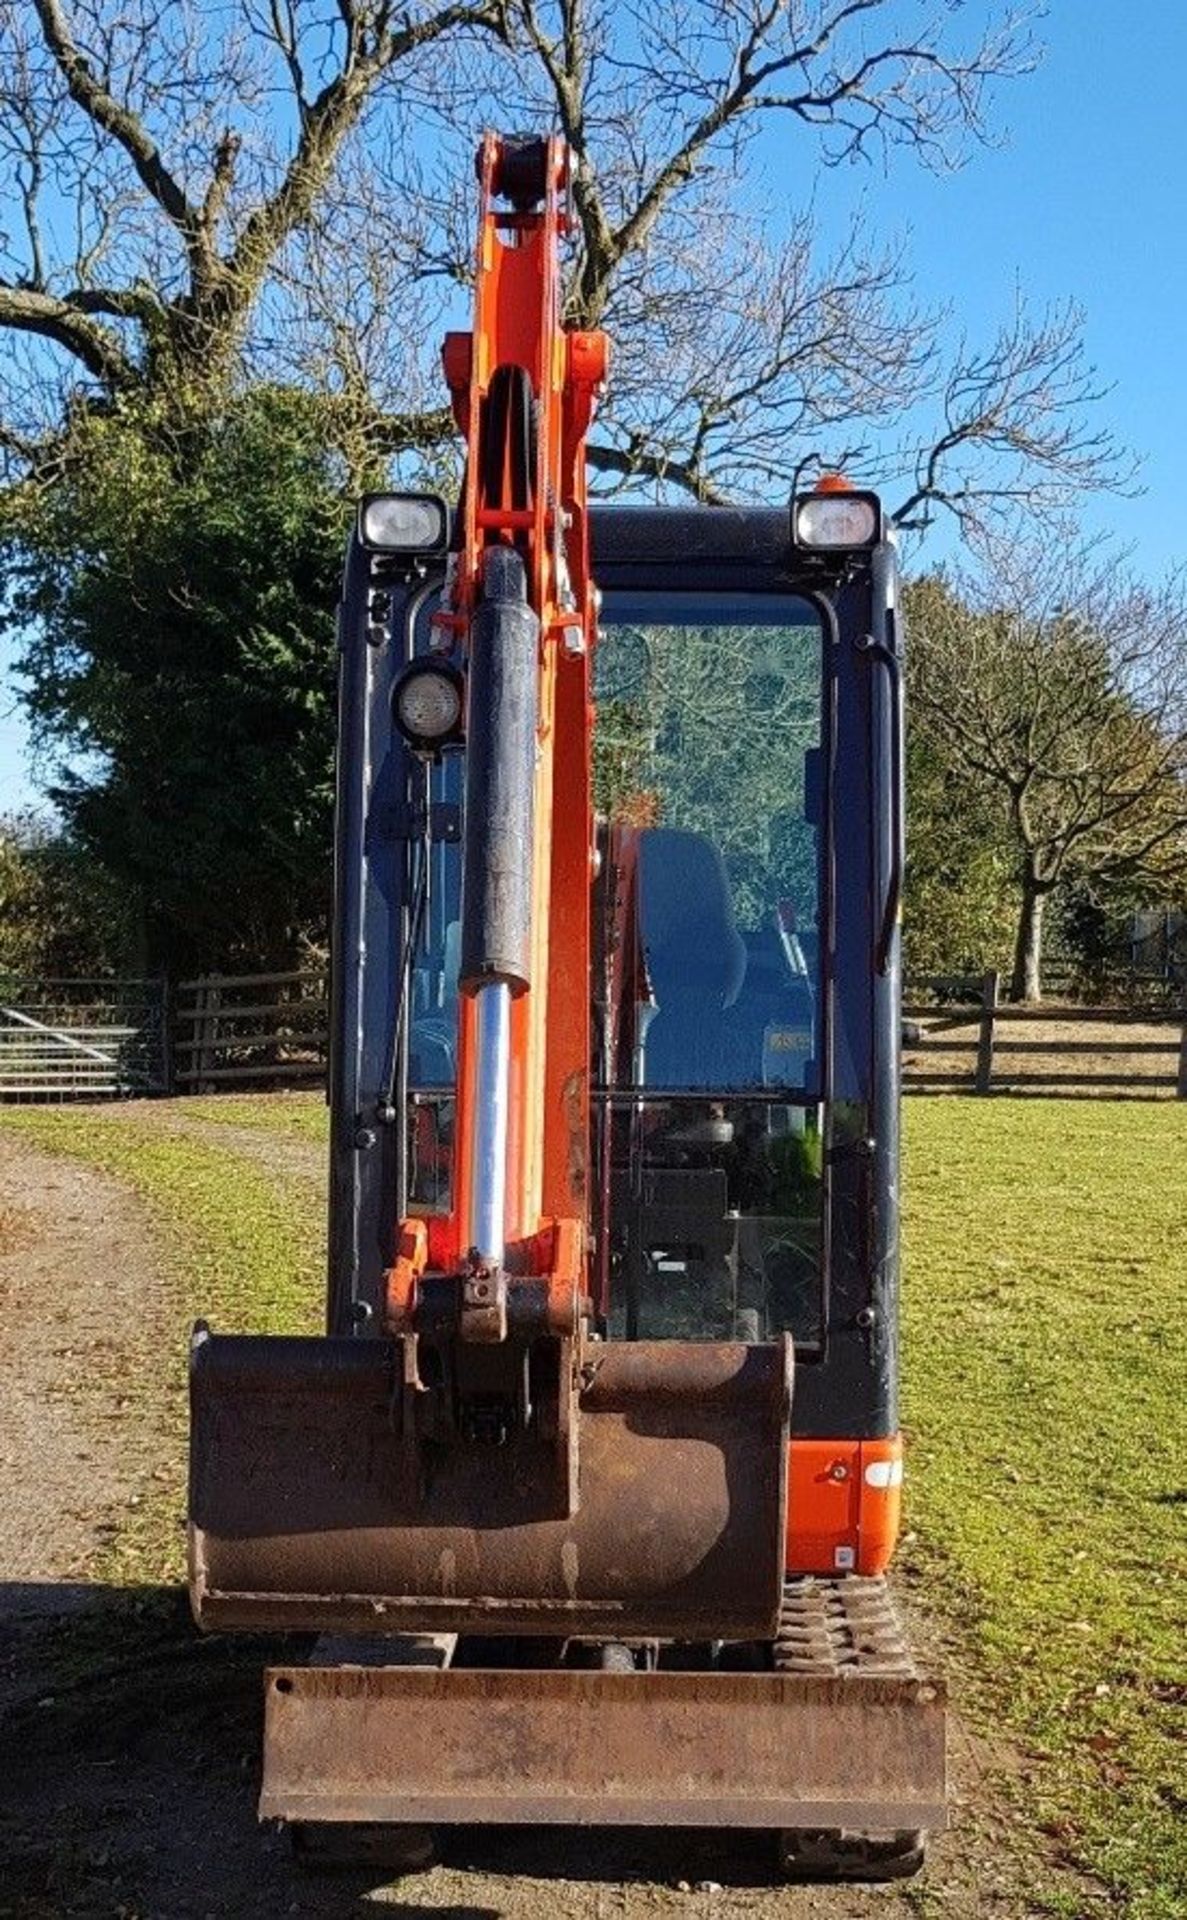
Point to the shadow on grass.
(133, 1745)
(137, 1744)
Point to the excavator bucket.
(314, 1506)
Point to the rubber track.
(838, 1628)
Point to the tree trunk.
(1026, 981)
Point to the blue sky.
(1082, 198)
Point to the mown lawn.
(1045, 1368)
(1045, 1373)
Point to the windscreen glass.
(707, 767)
(708, 776)
(707, 992)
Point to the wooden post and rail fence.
(989, 1046)
(243, 1032)
(271, 1030)
(250, 1029)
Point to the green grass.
(240, 1248)
(1045, 1365)
(294, 1116)
(1046, 1359)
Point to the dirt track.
(136, 1742)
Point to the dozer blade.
(311, 1508)
(608, 1749)
(841, 1746)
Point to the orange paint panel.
(441, 1247)
(843, 1506)
(518, 1217)
(822, 1505)
(881, 1502)
(404, 1275)
(463, 1128)
(565, 1116)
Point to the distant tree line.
(1047, 756)
(1047, 788)
(177, 594)
(63, 915)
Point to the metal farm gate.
(82, 1039)
(1158, 945)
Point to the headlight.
(836, 522)
(404, 522)
(427, 705)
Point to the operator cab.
(746, 768)
(706, 1035)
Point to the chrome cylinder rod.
(492, 1090)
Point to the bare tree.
(198, 193)
(1014, 431)
(1058, 683)
(741, 361)
(162, 159)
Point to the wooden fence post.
(208, 1001)
(989, 993)
(168, 1085)
(1181, 1089)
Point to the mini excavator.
(591, 1483)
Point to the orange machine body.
(844, 1505)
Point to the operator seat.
(696, 958)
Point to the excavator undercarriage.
(838, 1734)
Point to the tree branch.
(636, 462)
(67, 321)
(115, 118)
(395, 433)
(327, 121)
